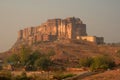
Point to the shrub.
(118, 53)
(5, 75)
(43, 63)
(86, 62)
(102, 62)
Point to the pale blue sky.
(102, 17)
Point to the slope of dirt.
(108, 75)
(69, 51)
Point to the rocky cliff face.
(53, 29)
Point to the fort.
(58, 29)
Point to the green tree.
(24, 55)
(33, 57)
(43, 63)
(13, 59)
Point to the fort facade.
(57, 29)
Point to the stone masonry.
(54, 29)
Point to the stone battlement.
(54, 29)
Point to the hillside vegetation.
(70, 51)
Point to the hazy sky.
(102, 17)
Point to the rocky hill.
(70, 51)
(67, 37)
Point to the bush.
(43, 63)
(51, 52)
(5, 75)
(102, 62)
(97, 63)
(86, 62)
(118, 53)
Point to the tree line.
(30, 60)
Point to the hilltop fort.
(57, 29)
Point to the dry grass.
(108, 75)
